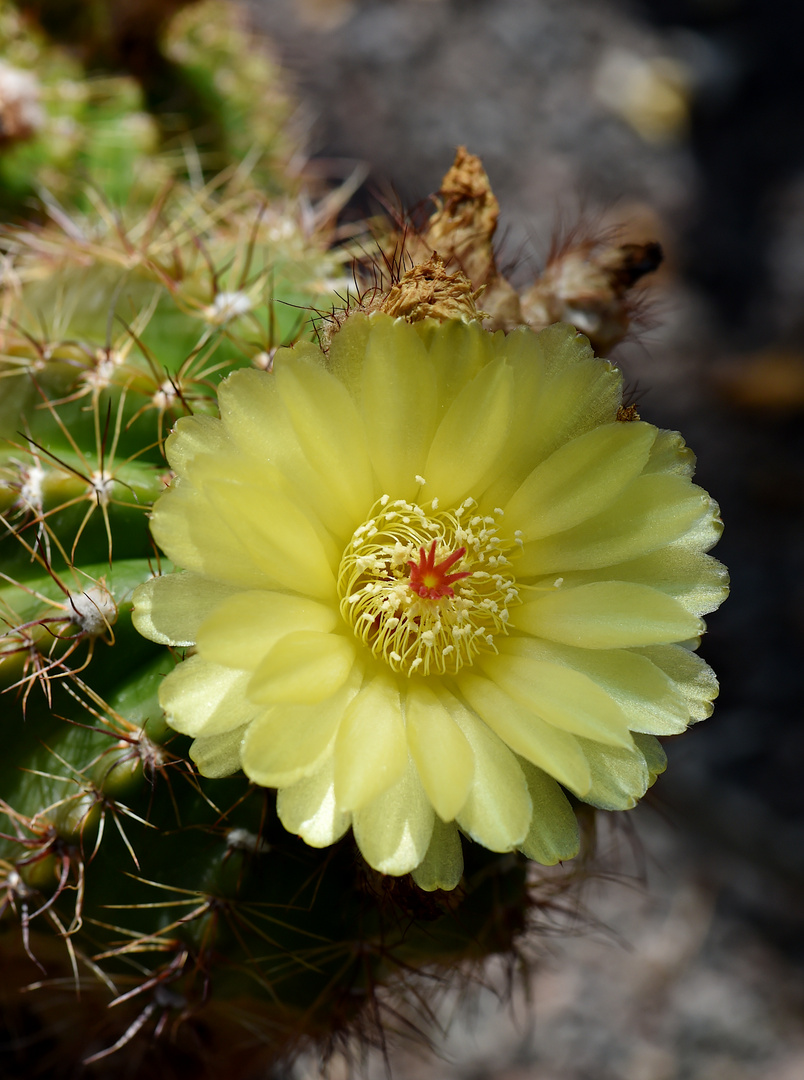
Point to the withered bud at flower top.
(586, 281)
(462, 230)
(427, 291)
(586, 284)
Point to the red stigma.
(430, 579)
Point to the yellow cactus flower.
(433, 581)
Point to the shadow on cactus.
(432, 584)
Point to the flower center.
(427, 590)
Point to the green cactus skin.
(85, 129)
(196, 929)
(199, 95)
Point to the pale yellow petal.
(216, 756)
(498, 811)
(543, 744)
(328, 428)
(194, 536)
(580, 479)
(692, 678)
(619, 777)
(371, 751)
(277, 537)
(471, 436)
(442, 866)
(308, 808)
(576, 394)
(671, 454)
(347, 348)
(193, 437)
(522, 355)
(170, 608)
(289, 742)
(439, 749)
(649, 700)
(245, 627)
(654, 755)
(399, 406)
(260, 427)
(393, 831)
(696, 580)
(704, 533)
(553, 835)
(580, 391)
(561, 696)
(651, 512)
(303, 668)
(607, 615)
(459, 351)
(200, 698)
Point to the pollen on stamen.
(413, 590)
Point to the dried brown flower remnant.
(427, 291)
(462, 230)
(585, 284)
(586, 281)
(465, 220)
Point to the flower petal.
(563, 697)
(200, 698)
(577, 393)
(607, 615)
(399, 405)
(217, 756)
(303, 668)
(694, 579)
(692, 678)
(522, 354)
(459, 351)
(259, 425)
(498, 811)
(309, 810)
(193, 437)
(393, 831)
(279, 540)
(245, 627)
(580, 479)
(650, 700)
(580, 391)
(619, 777)
(442, 866)
(170, 608)
(371, 751)
(670, 454)
(543, 744)
(651, 512)
(194, 536)
(288, 742)
(439, 749)
(471, 436)
(553, 835)
(328, 429)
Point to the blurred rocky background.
(678, 121)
